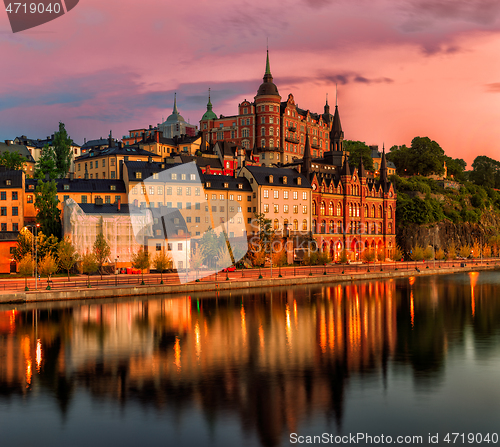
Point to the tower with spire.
(176, 125)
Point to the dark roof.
(218, 181)
(202, 162)
(15, 177)
(95, 143)
(9, 235)
(83, 185)
(148, 169)
(261, 175)
(107, 208)
(268, 87)
(125, 150)
(23, 150)
(90, 185)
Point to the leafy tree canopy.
(48, 214)
(46, 164)
(359, 150)
(12, 160)
(62, 151)
(485, 172)
(101, 251)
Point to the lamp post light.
(116, 272)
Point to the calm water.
(401, 357)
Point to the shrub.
(464, 251)
(440, 254)
(452, 252)
(429, 253)
(417, 253)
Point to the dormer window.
(155, 175)
(112, 187)
(207, 184)
(31, 186)
(66, 187)
(226, 185)
(284, 180)
(299, 181)
(240, 186)
(8, 182)
(138, 175)
(270, 179)
(174, 176)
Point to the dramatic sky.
(404, 68)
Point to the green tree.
(429, 253)
(47, 267)
(89, 265)
(485, 172)
(48, 214)
(452, 252)
(368, 255)
(464, 251)
(456, 168)
(62, 151)
(440, 254)
(12, 160)
(196, 259)
(46, 245)
(424, 157)
(46, 164)
(26, 268)
(101, 251)
(140, 260)
(401, 156)
(161, 262)
(359, 150)
(24, 244)
(67, 255)
(210, 244)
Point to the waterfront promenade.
(115, 286)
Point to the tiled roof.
(15, 177)
(23, 150)
(83, 185)
(218, 181)
(261, 175)
(125, 150)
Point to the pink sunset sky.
(404, 68)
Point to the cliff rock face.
(442, 234)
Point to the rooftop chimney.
(71, 176)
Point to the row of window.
(276, 194)
(3, 195)
(15, 227)
(222, 197)
(354, 210)
(287, 226)
(96, 163)
(14, 211)
(286, 208)
(354, 227)
(169, 190)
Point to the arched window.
(314, 208)
(350, 210)
(380, 211)
(339, 209)
(357, 210)
(262, 143)
(314, 226)
(373, 211)
(390, 212)
(380, 228)
(340, 228)
(276, 224)
(271, 131)
(330, 209)
(331, 227)
(366, 210)
(323, 227)
(304, 225)
(271, 143)
(390, 228)
(295, 225)
(322, 209)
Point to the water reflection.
(273, 360)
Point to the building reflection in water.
(273, 359)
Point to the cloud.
(493, 87)
(350, 77)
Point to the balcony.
(292, 139)
(292, 128)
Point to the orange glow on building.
(177, 353)
(38, 354)
(473, 281)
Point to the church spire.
(383, 170)
(306, 160)
(268, 67)
(175, 104)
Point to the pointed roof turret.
(346, 170)
(175, 116)
(362, 171)
(306, 160)
(267, 87)
(209, 114)
(383, 170)
(336, 131)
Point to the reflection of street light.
(116, 272)
(36, 252)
